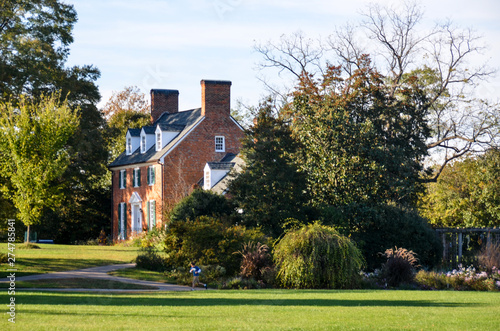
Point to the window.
(206, 183)
(123, 179)
(220, 144)
(122, 221)
(137, 177)
(143, 144)
(151, 210)
(129, 146)
(158, 141)
(151, 175)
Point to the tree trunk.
(28, 236)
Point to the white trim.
(162, 158)
(222, 143)
(236, 122)
(135, 198)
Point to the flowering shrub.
(463, 279)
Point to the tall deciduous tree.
(33, 143)
(467, 194)
(35, 36)
(440, 59)
(125, 109)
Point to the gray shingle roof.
(134, 132)
(149, 129)
(181, 121)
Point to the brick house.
(164, 161)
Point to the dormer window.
(206, 182)
(143, 143)
(220, 145)
(158, 141)
(129, 146)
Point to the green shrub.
(399, 267)
(431, 280)
(317, 256)
(201, 203)
(374, 228)
(151, 260)
(207, 241)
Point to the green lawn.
(52, 258)
(76, 283)
(257, 310)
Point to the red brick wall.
(145, 191)
(184, 165)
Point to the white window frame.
(137, 174)
(151, 175)
(129, 146)
(151, 213)
(143, 144)
(207, 181)
(123, 179)
(220, 144)
(158, 141)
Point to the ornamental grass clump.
(317, 256)
(489, 258)
(256, 263)
(399, 267)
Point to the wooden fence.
(461, 246)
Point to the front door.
(136, 218)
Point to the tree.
(34, 44)
(131, 99)
(358, 143)
(270, 189)
(467, 194)
(438, 60)
(125, 109)
(33, 143)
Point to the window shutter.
(148, 176)
(139, 177)
(153, 212)
(133, 178)
(125, 179)
(124, 206)
(119, 220)
(147, 215)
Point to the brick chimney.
(215, 98)
(163, 101)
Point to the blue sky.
(174, 44)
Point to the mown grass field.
(257, 310)
(52, 258)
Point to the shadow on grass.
(31, 266)
(127, 300)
